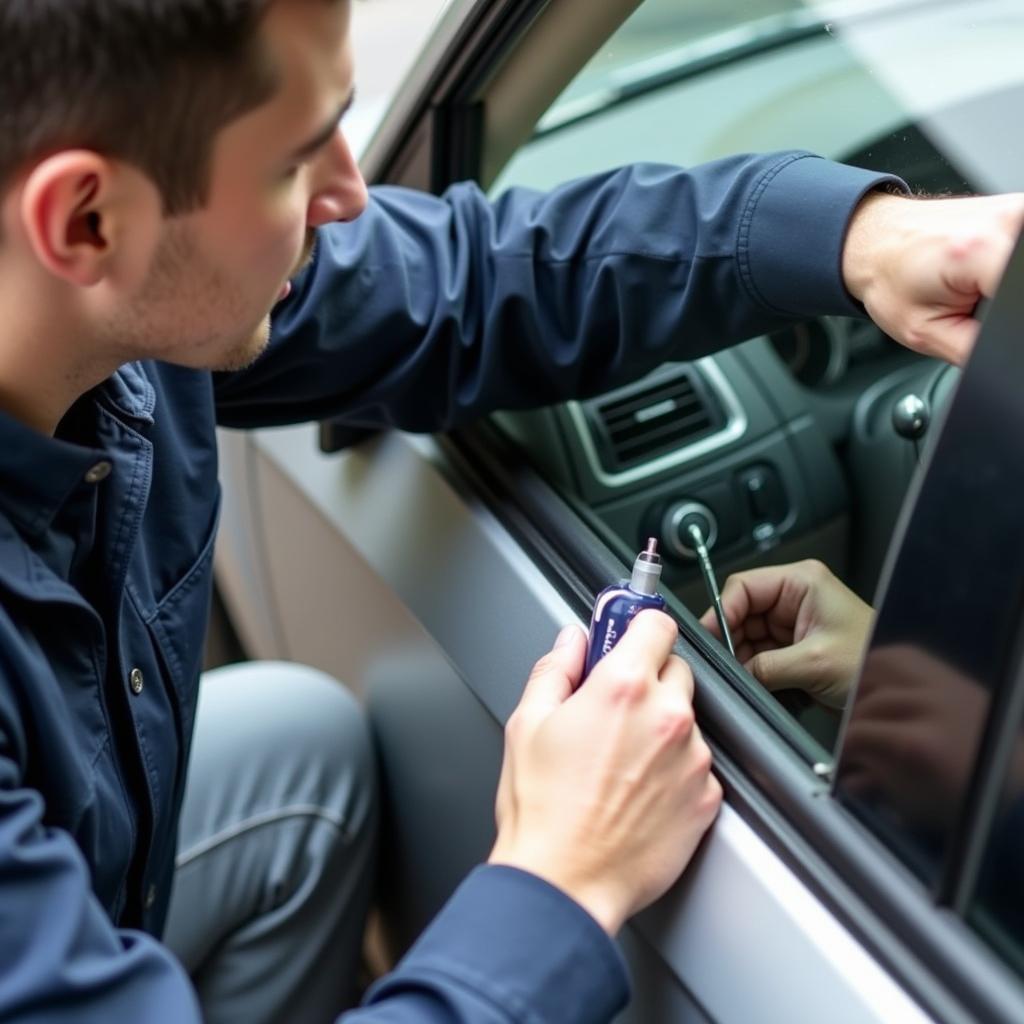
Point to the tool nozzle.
(647, 569)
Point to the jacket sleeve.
(427, 312)
(507, 949)
(61, 959)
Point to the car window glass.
(997, 912)
(932, 755)
(788, 441)
(652, 40)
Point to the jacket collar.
(39, 473)
(130, 392)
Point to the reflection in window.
(998, 908)
(911, 746)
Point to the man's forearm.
(428, 312)
(508, 947)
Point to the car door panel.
(403, 514)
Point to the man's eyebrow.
(326, 133)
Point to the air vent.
(658, 415)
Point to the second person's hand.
(796, 627)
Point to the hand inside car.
(606, 791)
(796, 627)
(920, 266)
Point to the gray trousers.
(276, 846)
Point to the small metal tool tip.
(652, 546)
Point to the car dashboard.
(748, 443)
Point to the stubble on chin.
(257, 343)
(248, 351)
(189, 315)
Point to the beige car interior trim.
(559, 42)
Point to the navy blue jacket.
(423, 314)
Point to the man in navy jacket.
(137, 255)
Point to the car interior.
(792, 446)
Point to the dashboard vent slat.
(636, 424)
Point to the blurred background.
(386, 36)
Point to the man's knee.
(299, 729)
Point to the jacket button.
(98, 472)
(135, 681)
(150, 898)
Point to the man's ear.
(74, 208)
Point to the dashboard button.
(766, 499)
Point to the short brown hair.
(151, 82)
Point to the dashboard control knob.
(675, 527)
(911, 417)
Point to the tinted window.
(928, 716)
(997, 911)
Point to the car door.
(429, 573)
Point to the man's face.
(278, 173)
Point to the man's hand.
(920, 266)
(796, 627)
(606, 791)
